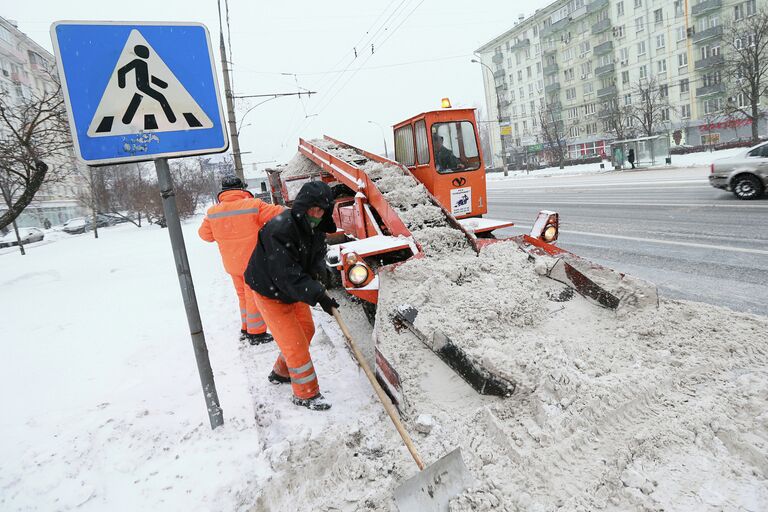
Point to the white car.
(27, 236)
(745, 174)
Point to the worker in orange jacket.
(234, 223)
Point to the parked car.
(79, 225)
(27, 236)
(745, 174)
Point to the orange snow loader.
(440, 150)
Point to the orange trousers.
(250, 316)
(292, 327)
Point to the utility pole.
(229, 96)
(498, 115)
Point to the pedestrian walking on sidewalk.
(631, 157)
(283, 272)
(234, 223)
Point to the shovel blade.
(435, 486)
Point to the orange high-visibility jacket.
(234, 223)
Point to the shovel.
(432, 488)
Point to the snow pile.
(637, 410)
(299, 166)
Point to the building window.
(685, 111)
(569, 74)
(627, 99)
(712, 106)
(624, 77)
(528, 72)
(530, 90)
(618, 32)
(538, 68)
(678, 6)
(638, 4)
(586, 69)
(588, 88)
(639, 24)
(665, 114)
(661, 66)
(659, 41)
(684, 86)
(664, 91)
(682, 34)
(643, 71)
(620, 9)
(658, 17)
(624, 56)
(570, 94)
(640, 49)
(589, 109)
(519, 75)
(682, 60)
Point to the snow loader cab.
(441, 150)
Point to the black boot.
(243, 334)
(258, 339)
(316, 403)
(274, 378)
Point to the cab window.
(422, 143)
(404, 152)
(454, 147)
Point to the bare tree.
(35, 147)
(650, 108)
(618, 119)
(553, 132)
(746, 66)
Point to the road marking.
(656, 241)
(699, 181)
(588, 203)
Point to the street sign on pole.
(139, 90)
(146, 91)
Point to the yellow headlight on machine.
(550, 233)
(358, 274)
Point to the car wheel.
(747, 186)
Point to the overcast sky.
(421, 53)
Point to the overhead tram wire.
(371, 39)
(389, 36)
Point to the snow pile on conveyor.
(299, 165)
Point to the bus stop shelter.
(646, 150)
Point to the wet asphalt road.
(667, 226)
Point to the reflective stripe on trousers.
(292, 327)
(250, 317)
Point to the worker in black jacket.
(283, 272)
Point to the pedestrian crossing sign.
(139, 91)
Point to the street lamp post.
(383, 136)
(498, 112)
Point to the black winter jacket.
(290, 254)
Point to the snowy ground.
(102, 403)
(690, 160)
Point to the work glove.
(328, 304)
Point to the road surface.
(667, 226)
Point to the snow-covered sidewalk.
(678, 161)
(102, 402)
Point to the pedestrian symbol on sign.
(143, 95)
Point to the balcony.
(555, 106)
(603, 48)
(552, 88)
(555, 27)
(551, 69)
(497, 58)
(709, 90)
(501, 87)
(498, 73)
(607, 91)
(710, 33)
(715, 60)
(601, 26)
(604, 70)
(596, 6)
(605, 114)
(519, 45)
(705, 7)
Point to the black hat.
(231, 183)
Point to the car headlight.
(358, 274)
(550, 233)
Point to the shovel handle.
(383, 398)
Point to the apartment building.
(24, 71)
(579, 56)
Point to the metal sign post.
(138, 91)
(173, 223)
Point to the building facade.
(581, 60)
(25, 70)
